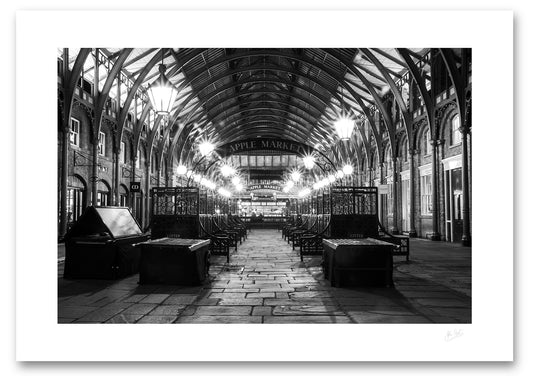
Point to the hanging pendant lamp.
(344, 125)
(161, 92)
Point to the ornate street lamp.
(344, 125)
(161, 92)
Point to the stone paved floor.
(266, 283)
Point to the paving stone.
(123, 319)
(261, 295)
(262, 311)
(74, 312)
(167, 310)
(278, 289)
(180, 299)
(105, 313)
(228, 295)
(63, 320)
(205, 301)
(386, 318)
(242, 290)
(297, 310)
(139, 309)
(155, 298)
(241, 302)
(311, 294)
(219, 320)
(306, 320)
(443, 303)
(150, 319)
(135, 298)
(299, 301)
(223, 310)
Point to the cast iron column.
(132, 180)
(435, 195)
(147, 192)
(466, 239)
(412, 193)
(94, 172)
(394, 228)
(65, 141)
(116, 182)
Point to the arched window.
(427, 141)
(455, 137)
(123, 154)
(75, 131)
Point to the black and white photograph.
(265, 189)
(264, 185)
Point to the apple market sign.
(258, 187)
(271, 144)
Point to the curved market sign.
(270, 144)
(270, 187)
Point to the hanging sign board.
(135, 187)
(251, 145)
(272, 187)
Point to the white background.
(493, 135)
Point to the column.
(412, 193)
(94, 172)
(132, 179)
(435, 193)
(116, 181)
(370, 176)
(65, 143)
(466, 239)
(147, 192)
(395, 200)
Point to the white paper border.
(39, 34)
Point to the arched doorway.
(123, 195)
(76, 198)
(103, 193)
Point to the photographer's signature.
(453, 334)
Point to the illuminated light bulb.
(189, 173)
(309, 162)
(236, 180)
(296, 176)
(227, 170)
(238, 187)
(344, 127)
(331, 178)
(340, 174)
(304, 192)
(197, 178)
(347, 169)
(206, 148)
(289, 184)
(181, 170)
